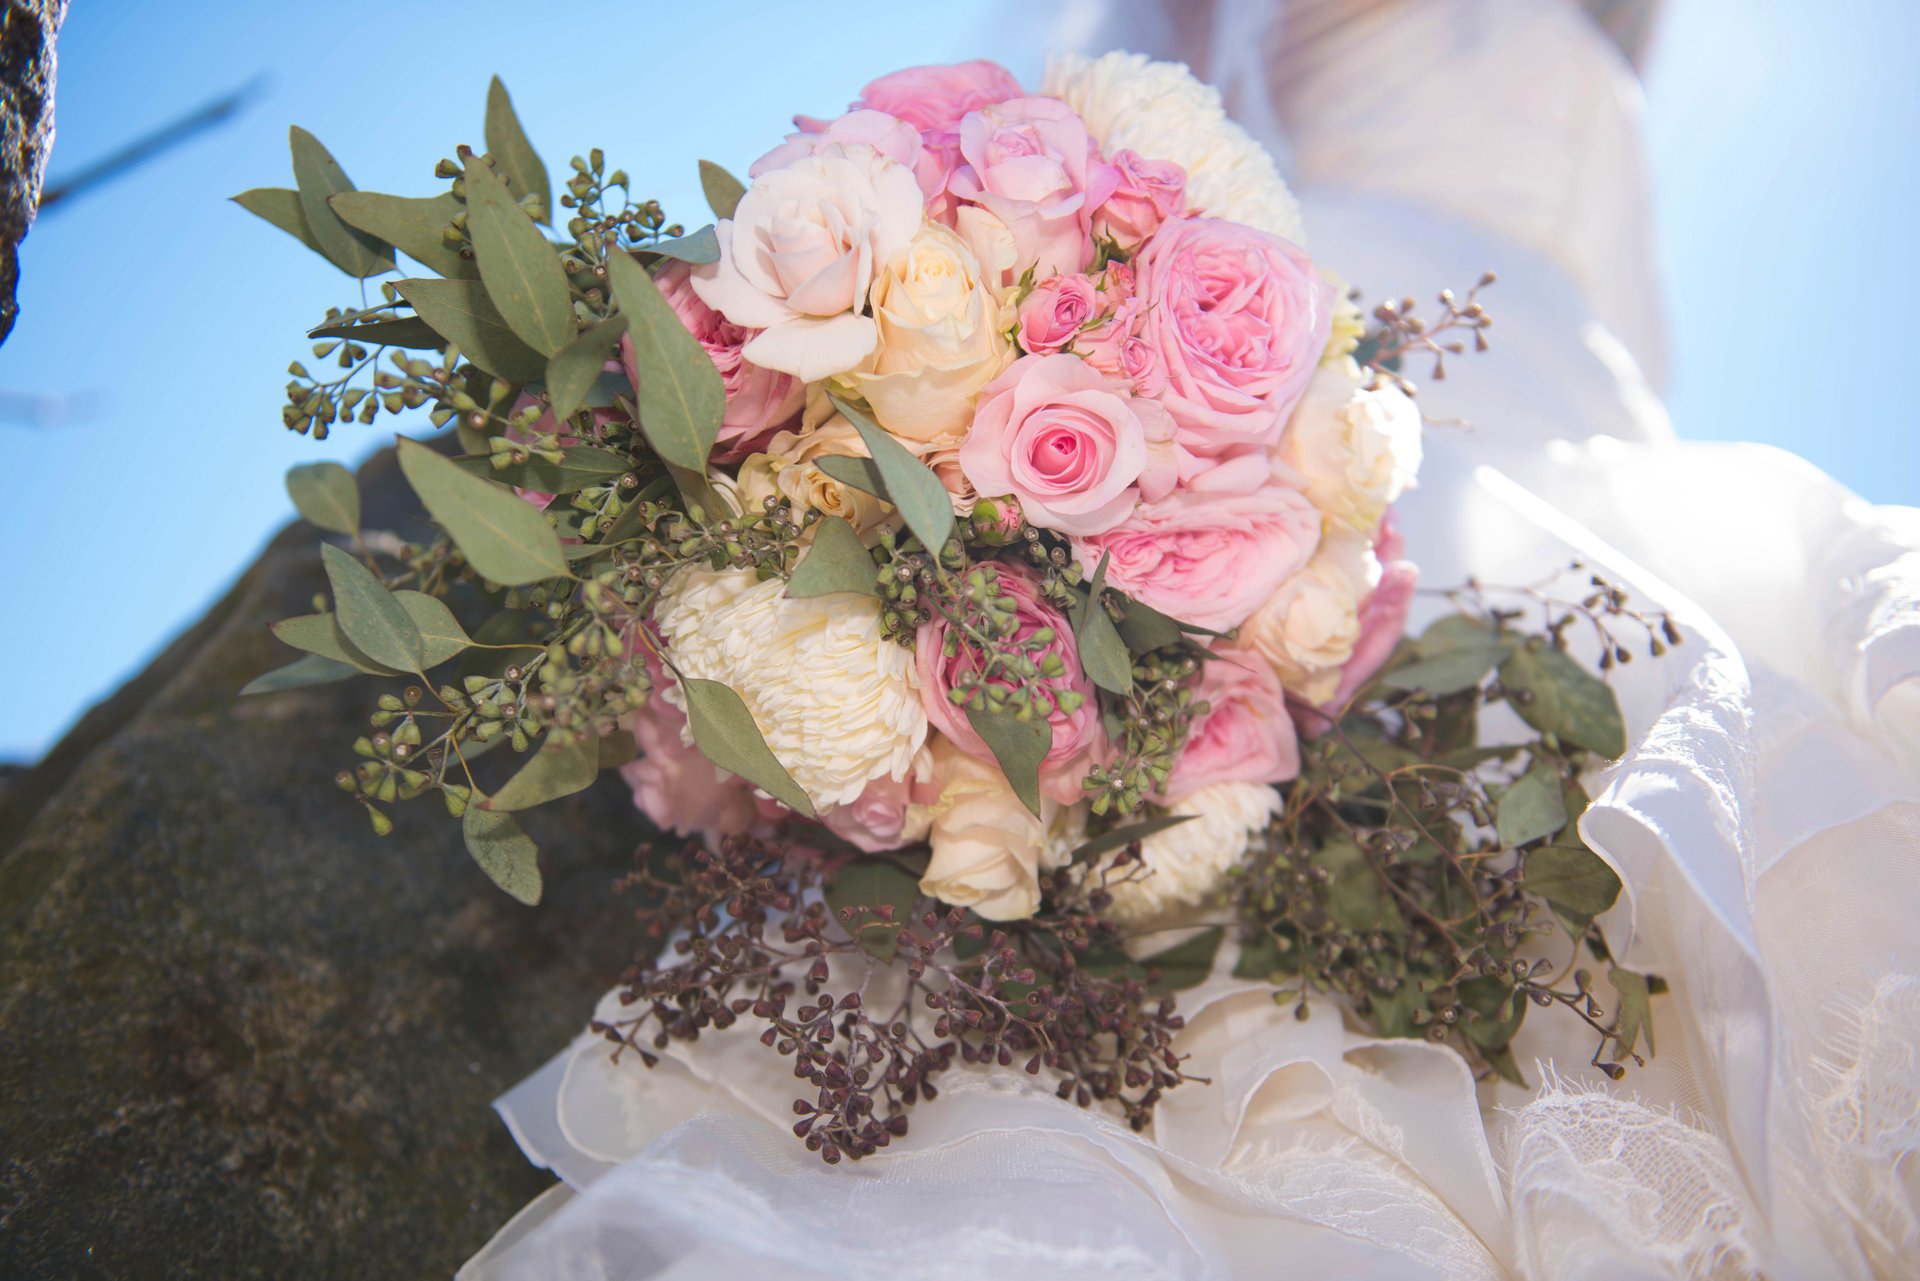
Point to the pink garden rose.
(759, 401)
(679, 788)
(1052, 316)
(1245, 735)
(1117, 349)
(1069, 443)
(1075, 734)
(937, 98)
(893, 138)
(1030, 164)
(1206, 558)
(1239, 319)
(1149, 193)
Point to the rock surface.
(240, 1036)
(27, 30)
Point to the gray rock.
(27, 30)
(240, 1036)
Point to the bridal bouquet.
(975, 551)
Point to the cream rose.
(801, 251)
(1308, 629)
(836, 701)
(988, 848)
(1161, 111)
(1183, 865)
(790, 469)
(938, 341)
(1357, 448)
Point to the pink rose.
(930, 98)
(1149, 193)
(1069, 443)
(1207, 558)
(889, 813)
(1239, 319)
(1383, 617)
(1075, 733)
(892, 137)
(1245, 735)
(759, 401)
(1030, 164)
(1117, 350)
(679, 788)
(1053, 315)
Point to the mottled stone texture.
(239, 1035)
(27, 30)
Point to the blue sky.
(157, 319)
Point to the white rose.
(1357, 448)
(938, 341)
(1307, 629)
(988, 848)
(1183, 865)
(799, 255)
(1161, 111)
(837, 702)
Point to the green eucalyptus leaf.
(308, 669)
(416, 226)
(1121, 837)
(281, 207)
(1356, 899)
(851, 469)
(1103, 655)
(874, 883)
(319, 176)
(370, 616)
(519, 265)
(320, 634)
(554, 771)
(461, 312)
(1500, 1012)
(912, 488)
(1146, 629)
(1636, 1008)
(837, 562)
(681, 396)
(505, 538)
(702, 246)
(573, 369)
(440, 631)
(1448, 672)
(513, 153)
(1019, 746)
(722, 189)
(326, 496)
(408, 331)
(1185, 965)
(1262, 960)
(724, 731)
(1572, 878)
(616, 749)
(1566, 700)
(1532, 808)
(504, 852)
(580, 467)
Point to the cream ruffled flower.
(938, 341)
(988, 848)
(790, 469)
(837, 702)
(1357, 448)
(1181, 866)
(1161, 111)
(1307, 629)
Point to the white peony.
(800, 253)
(837, 702)
(1161, 111)
(1183, 865)
(1307, 629)
(1357, 448)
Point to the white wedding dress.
(1766, 824)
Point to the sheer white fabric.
(1766, 824)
